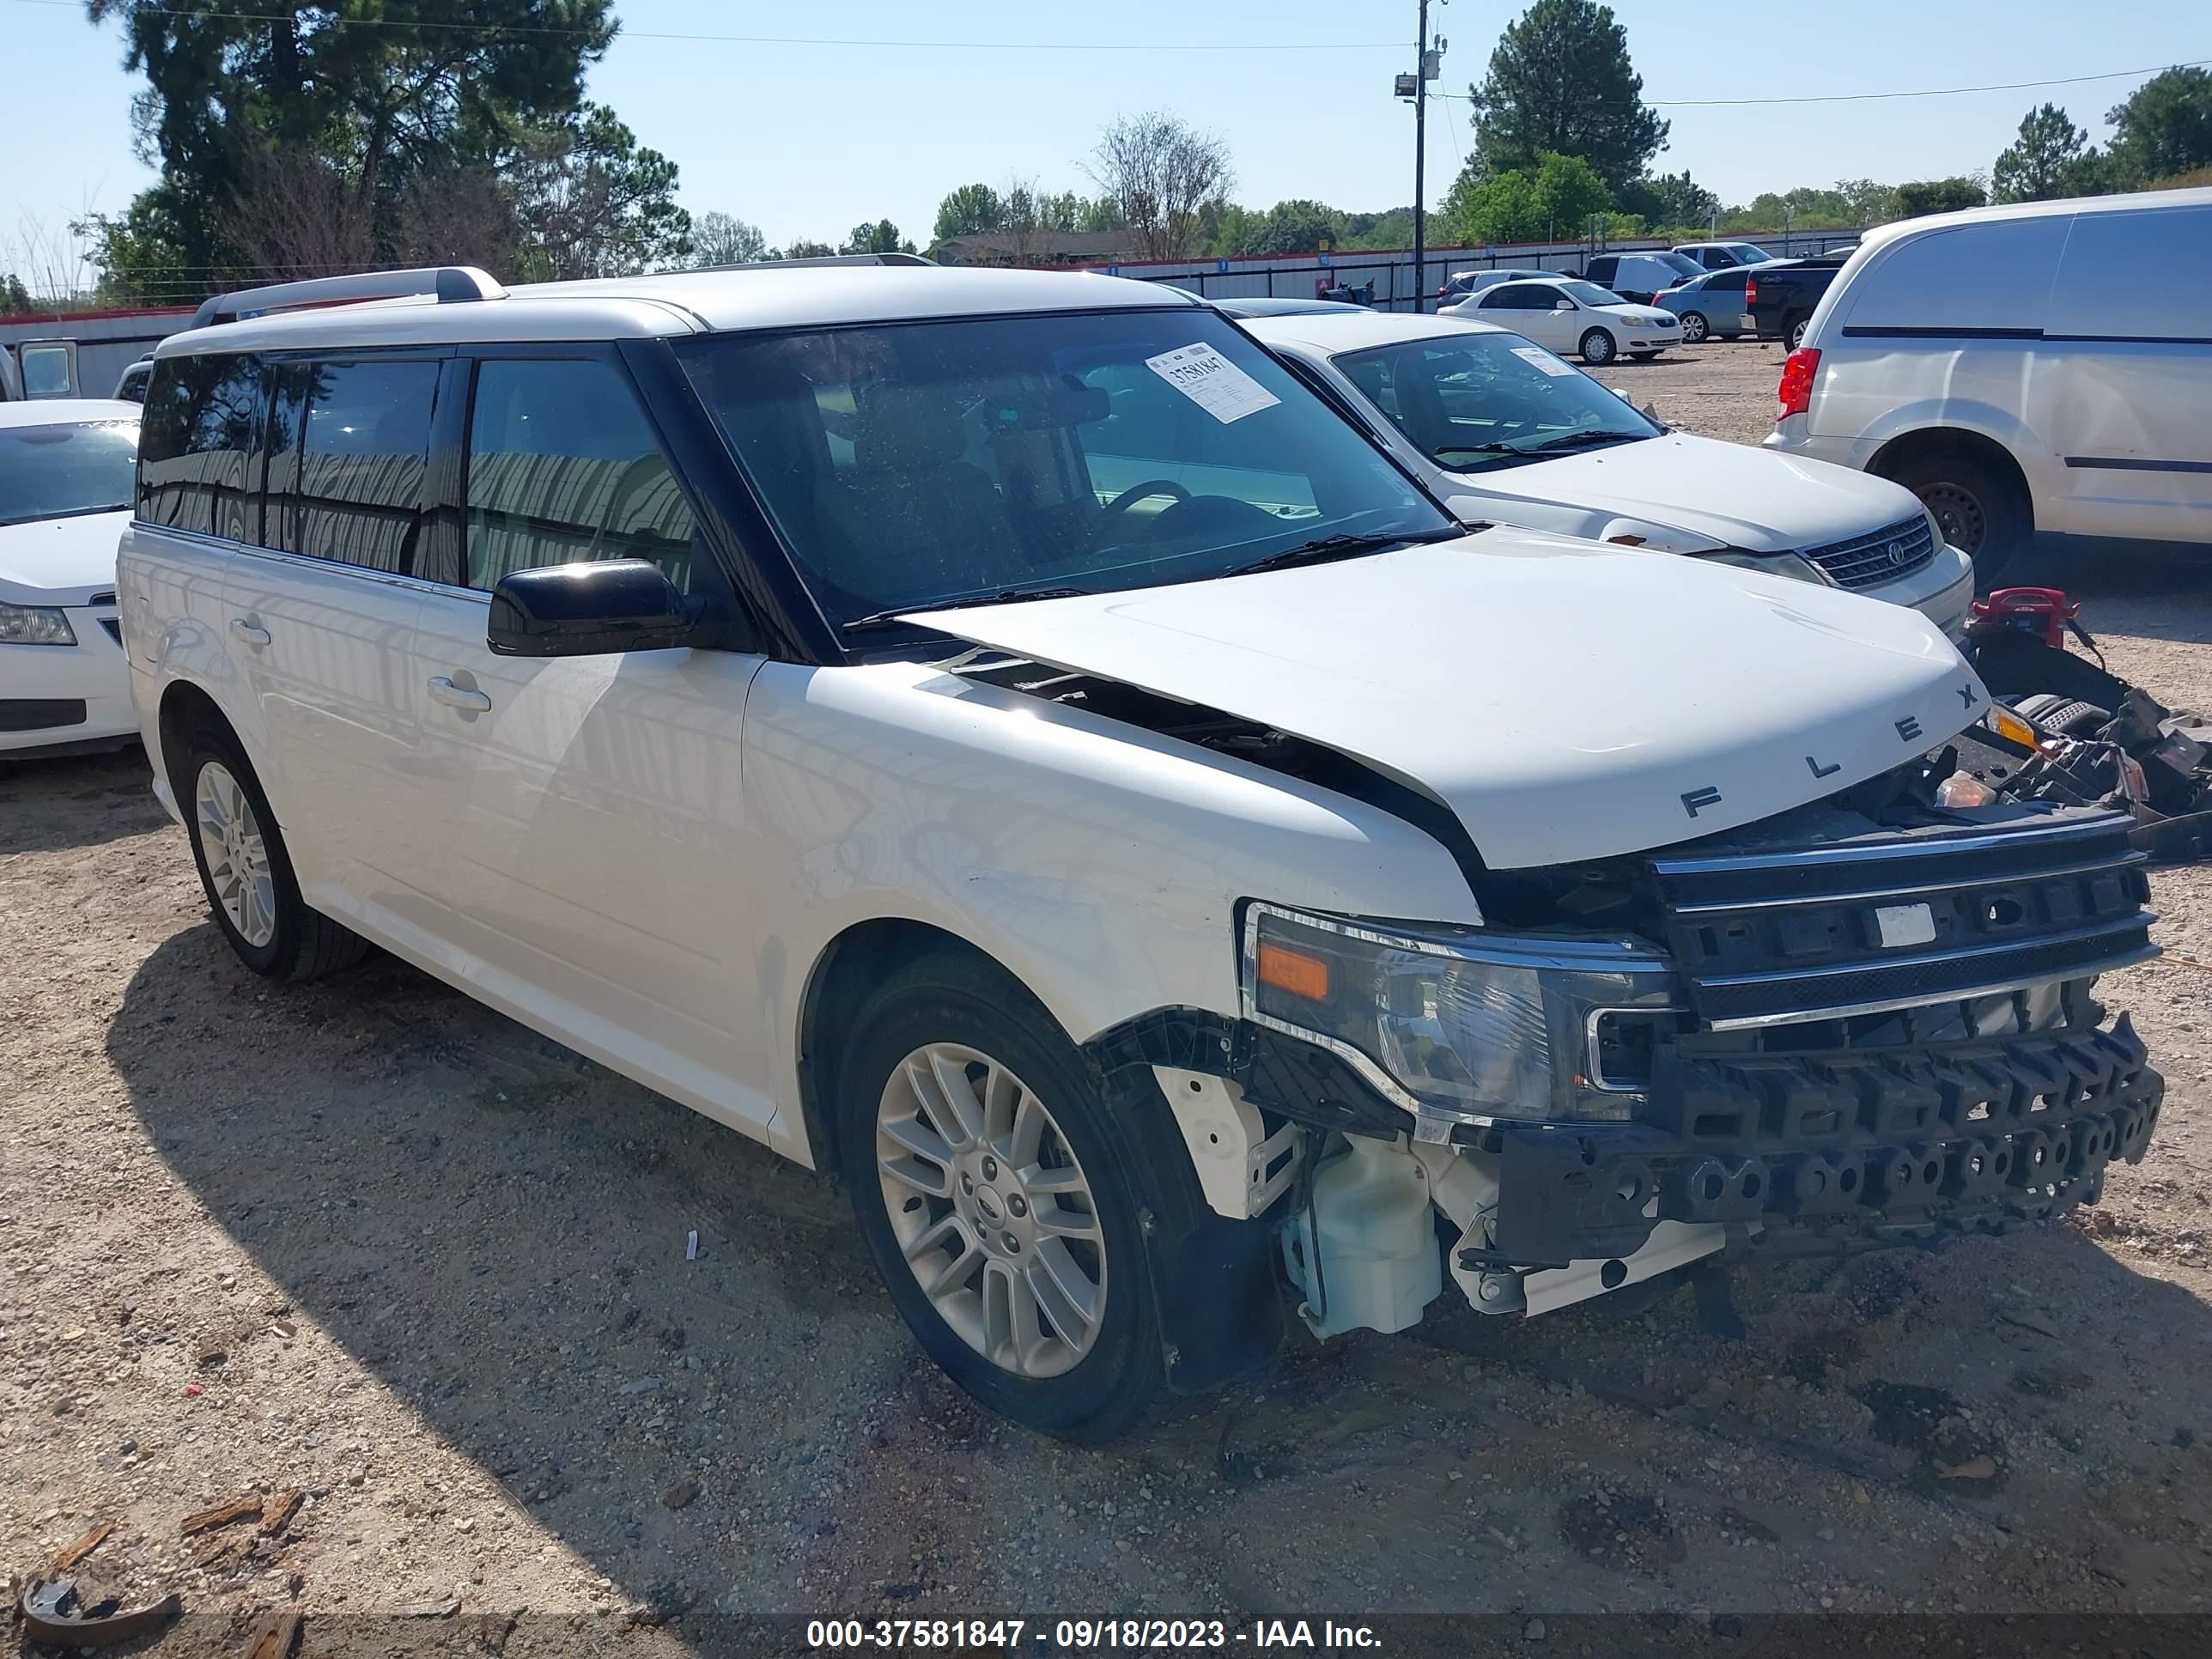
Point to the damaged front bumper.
(1822, 1151)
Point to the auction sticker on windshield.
(1212, 382)
(1544, 360)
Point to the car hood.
(1732, 495)
(1565, 700)
(60, 561)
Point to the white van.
(2041, 367)
(998, 735)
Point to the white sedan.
(65, 482)
(1568, 314)
(1502, 431)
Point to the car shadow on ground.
(75, 800)
(2114, 578)
(495, 1229)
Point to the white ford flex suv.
(998, 735)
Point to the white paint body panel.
(1561, 698)
(2111, 362)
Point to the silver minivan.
(2045, 366)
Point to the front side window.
(1483, 400)
(563, 468)
(62, 471)
(201, 432)
(362, 454)
(924, 464)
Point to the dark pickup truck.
(1780, 297)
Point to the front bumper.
(63, 698)
(1942, 590)
(1831, 1150)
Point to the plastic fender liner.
(1212, 1279)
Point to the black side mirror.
(590, 609)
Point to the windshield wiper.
(898, 613)
(1325, 548)
(1583, 440)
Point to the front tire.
(1597, 347)
(1000, 1200)
(245, 869)
(1694, 328)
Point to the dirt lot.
(366, 1241)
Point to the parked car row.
(1155, 803)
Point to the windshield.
(917, 464)
(1590, 293)
(54, 471)
(1680, 264)
(1487, 400)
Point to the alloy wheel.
(1694, 329)
(237, 854)
(991, 1209)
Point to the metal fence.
(1304, 276)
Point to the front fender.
(1100, 864)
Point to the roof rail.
(450, 283)
(825, 259)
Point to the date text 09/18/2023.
(1086, 1634)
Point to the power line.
(1919, 92)
(496, 30)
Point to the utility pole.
(1420, 142)
(1427, 64)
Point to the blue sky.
(808, 140)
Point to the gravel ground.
(367, 1242)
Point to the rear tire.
(1795, 333)
(1597, 347)
(245, 869)
(1981, 511)
(1694, 328)
(1005, 1219)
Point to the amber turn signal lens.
(2009, 725)
(1294, 971)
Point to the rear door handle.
(457, 696)
(242, 630)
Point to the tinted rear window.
(363, 451)
(201, 430)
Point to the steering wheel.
(1152, 487)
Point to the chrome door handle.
(242, 630)
(457, 696)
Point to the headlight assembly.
(1469, 1023)
(1773, 564)
(34, 624)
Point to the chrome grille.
(1879, 556)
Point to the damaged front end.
(1864, 1022)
